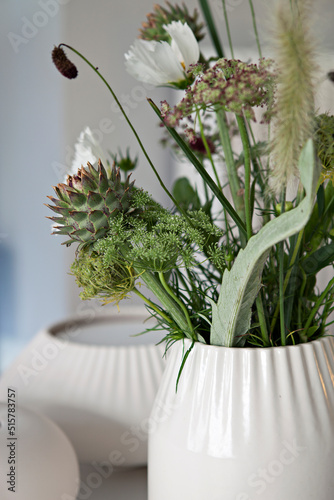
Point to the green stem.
(234, 182)
(226, 229)
(228, 29)
(171, 306)
(262, 319)
(203, 173)
(131, 127)
(247, 163)
(325, 313)
(300, 299)
(207, 149)
(281, 292)
(152, 305)
(258, 169)
(317, 306)
(281, 279)
(257, 163)
(255, 28)
(211, 27)
(178, 301)
(288, 275)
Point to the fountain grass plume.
(297, 69)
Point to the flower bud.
(288, 205)
(63, 64)
(330, 76)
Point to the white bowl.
(37, 460)
(96, 381)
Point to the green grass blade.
(206, 11)
(201, 170)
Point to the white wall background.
(43, 114)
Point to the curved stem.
(152, 305)
(178, 301)
(130, 125)
(171, 306)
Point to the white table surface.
(125, 484)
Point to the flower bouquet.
(215, 279)
(234, 262)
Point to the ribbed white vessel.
(95, 381)
(245, 424)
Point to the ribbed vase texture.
(101, 396)
(245, 424)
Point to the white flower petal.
(86, 149)
(184, 42)
(140, 63)
(168, 62)
(153, 62)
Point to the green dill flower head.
(173, 241)
(109, 282)
(231, 84)
(324, 139)
(153, 28)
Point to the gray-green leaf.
(231, 315)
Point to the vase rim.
(320, 340)
(68, 329)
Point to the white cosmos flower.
(160, 63)
(86, 149)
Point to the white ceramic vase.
(96, 381)
(245, 424)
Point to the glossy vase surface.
(245, 424)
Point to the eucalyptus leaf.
(231, 315)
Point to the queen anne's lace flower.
(161, 63)
(230, 84)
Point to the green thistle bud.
(89, 201)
